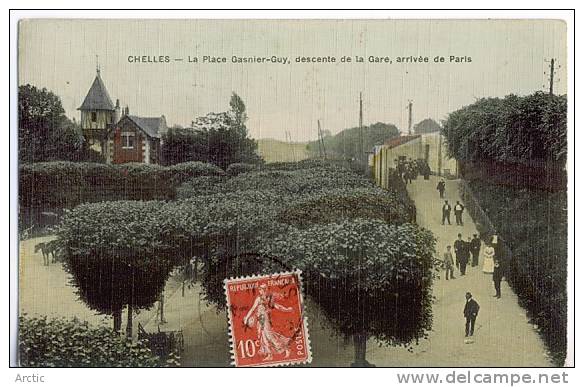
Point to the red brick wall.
(121, 155)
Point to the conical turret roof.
(97, 98)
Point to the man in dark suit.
(471, 311)
(497, 278)
(461, 249)
(475, 249)
(446, 208)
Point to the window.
(93, 116)
(128, 140)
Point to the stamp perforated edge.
(297, 272)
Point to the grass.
(279, 151)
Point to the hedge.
(532, 225)
(257, 220)
(69, 343)
(62, 184)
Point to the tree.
(254, 223)
(427, 126)
(114, 254)
(44, 132)
(363, 273)
(346, 144)
(218, 138)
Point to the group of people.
(447, 209)
(491, 265)
(469, 250)
(465, 252)
(409, 169)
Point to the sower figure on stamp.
(449, 263)
(475, 249)
(446, 208)
(260, 314)
(471, 311)
(458, 209)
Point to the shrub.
(333, 205)
(237, 168)
(69, 343)
(64, 184)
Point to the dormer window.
(93, 116)
(128, 140)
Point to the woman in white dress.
(489, 259)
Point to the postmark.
(267, 323)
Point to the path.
(503, 335)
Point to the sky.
(507, 56)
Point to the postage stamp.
(267, 323)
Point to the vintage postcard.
(175, 177)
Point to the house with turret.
(118, 136)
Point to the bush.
(64, 184)
(237, 168)
(333, 205)
(69, 343)
(509, 130)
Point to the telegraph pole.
(321, 141)
(410, 102)
(361, 150)
(552, 62)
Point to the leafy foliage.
(346, 144)
(44, 132)
(263, 221)
(237, 168)
(69, 343)
(364, 272)
(332, 205)
(63, 184)
(427, 125)
(512, 129)
(217, 138)
(114, 255)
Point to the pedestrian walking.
(449, 263)
(462, 253)
(475, 249)
(441, 187)
(489, 259)
(497, 278)
(446, 208)
(471, 311)
(458, 209)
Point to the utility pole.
(552, 62)
(321, 141)
(289, 140)
(410, 102)
(361, 145)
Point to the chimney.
(117, 112)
